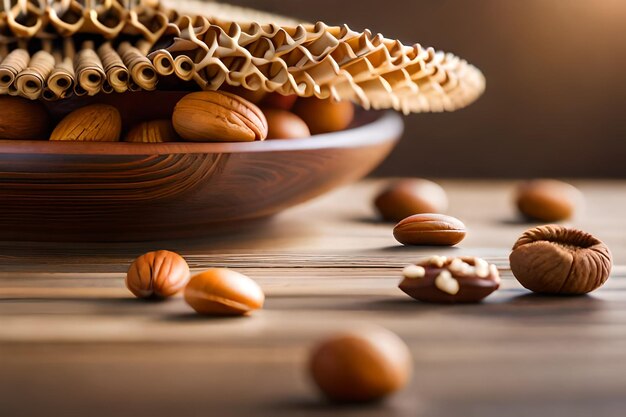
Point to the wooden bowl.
(69, 191)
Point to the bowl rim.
(372, 127)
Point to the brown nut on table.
(410, 196)
(218, 116)
(96, 122)
(554, 259)
(547, 200)
(157, 274)
(450, 280)
(283, 124)
(430, 229)
(324, 116)
(23, 119)
(223, 292)
(153, 131)
(361, 366)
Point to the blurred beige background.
(556, 83)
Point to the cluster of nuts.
(548, 259)
(217, 291)
(203, 116)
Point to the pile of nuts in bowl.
(201, 116)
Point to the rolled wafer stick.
(90, 74)
(116, 72)
(184, 67)
(163, 62)
(31, 81)
(62, 77)
(14, 63)
(24, 19)
(140, 67)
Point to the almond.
(154, 131)
(97, 122)
(218, 116)
(430, 229)
(23, 119)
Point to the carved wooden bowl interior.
(68, 191)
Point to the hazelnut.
(157, 274)
(324, 116)
(450, 280)
(430, 229)
(218, 116)
(361, 366)
(23, 119)
(554, 259)
(223, 292)
(547, 200)
(410, 196)
(279, 101)
(285, 125)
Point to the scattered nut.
(410, 196)
(96, 122)
(429, 229)
(451, 280)
(23, 119)
(285, 125)
(157, 274)
(547, 200)
(218, 116)
(223, 292)
(324, 116)
(364, 366)
(154, 131)
(554, 259)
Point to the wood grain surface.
(73, 341)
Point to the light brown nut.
(554, 259)
(283, 124)
(324, 116)
(223, 292)
(206, 116)
(153, 131)
(430, 229)
(96, 122)
(410, 196)
(157, 274)
(450, 280)
(547, 200)
(23, 119)
(361, 366)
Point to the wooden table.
(74, 342)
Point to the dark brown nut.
(554, 259)
(547, 200)
(157, 274)
(410, 196)
(430, 229)
(324, 116)
(450, 280)
(154, 131)
(279, 101)
(223, 292)
(285, 125)
(218, 116)
(23, 119)
(361, 366)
